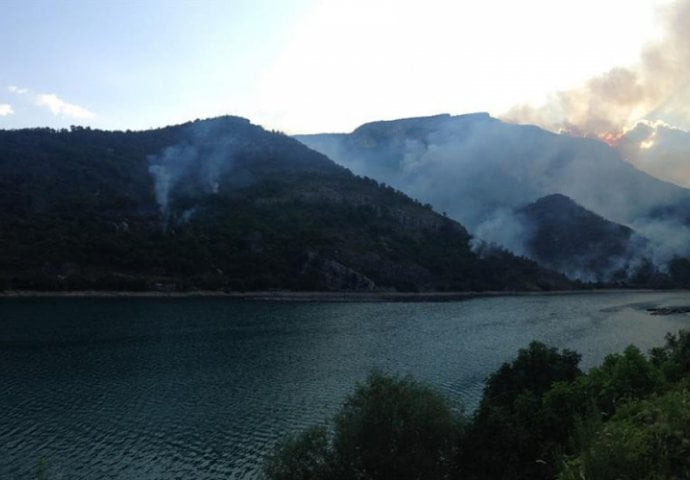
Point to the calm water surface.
(201, 388)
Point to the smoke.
(608, 105)
(504, 228)
(198, 164)
(444, 161)
(475, 167)
(668, 238)
(167, 169)
(659, 149)
(481, 171)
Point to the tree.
(673, 358)
(389, 428)
(646, 440)
(622, 377)
(512, 435)
(535, 369)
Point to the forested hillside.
(222, 204)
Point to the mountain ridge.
(222, 204)
(480, 170)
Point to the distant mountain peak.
(559, 204)
(428, 123)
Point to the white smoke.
(507, 229)
(201, 162)
(167, 169)
(480, 171)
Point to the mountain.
(569, 238)
(480, 170)
(222, 204)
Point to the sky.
(305, 66)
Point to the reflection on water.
(201, 388)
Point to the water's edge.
(355, 297)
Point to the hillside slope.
(222, 204)
(569, 238)
(480, 170)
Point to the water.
(201, 388)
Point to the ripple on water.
(163, 389)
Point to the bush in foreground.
(389, 428)
(540, 418)
(645, 440)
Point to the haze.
(610, 69)
(301, 66)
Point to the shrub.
(513, 435)
(645, 440)
(389, 428)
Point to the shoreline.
(345, 297)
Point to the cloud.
(51, 101)
(59, 107)
(17, 90)
(5, 109)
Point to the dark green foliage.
(673, 359)
(535, 369)
(539, 418)
(645, 440)
(513, 420)
(78, 211)
(646, 406)
(539, 408)
(622, 377)
(395, 429)
(389, 428)
(570, 238)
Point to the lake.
(201, 388)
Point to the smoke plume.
(482, 171)
(167, 169)
(199, 163)
(606, 106)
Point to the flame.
(610, 138)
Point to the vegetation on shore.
(223, 205)
(540, 417)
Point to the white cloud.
(52, 102)
(5, 109)
(17, 90)
(60, 107)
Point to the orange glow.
(610, 138)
